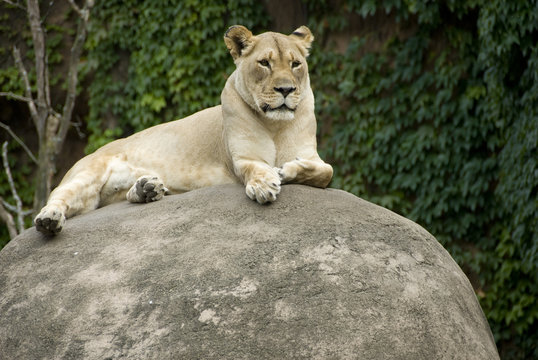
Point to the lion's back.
(185, 146)
(203, 128)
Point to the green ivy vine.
(442, 127)
(437, 121)
(176, 61)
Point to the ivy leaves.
(441, 126)
(158, 61)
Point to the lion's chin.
(280, 113)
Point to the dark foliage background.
(429, 108)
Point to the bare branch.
(13, 208)
(15, 4)
(72, 77)
(8, 219)
(38, 37)
(76, 8)
(83, 13)
(41, 82)
(47, 85)
(27, 89)
(18, 139)
(20, 218)
(78, 125)
(15, 96)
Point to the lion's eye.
(264, 62)
(295, 64)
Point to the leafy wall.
(441, 125)
(428, 108)
(158, 61)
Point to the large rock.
(319, 274)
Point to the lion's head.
(272, 73)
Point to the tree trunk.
(45, 171)
(51, 127)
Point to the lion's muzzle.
(285, 90)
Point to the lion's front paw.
(264, 189)
(146, 189)
(50, 220)
(289, 170)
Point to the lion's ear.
(237, 38)
(304, 36)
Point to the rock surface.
(209, 274)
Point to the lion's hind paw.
(146, 189)
(50, 220)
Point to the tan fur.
(263, 135)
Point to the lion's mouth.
(283, 107)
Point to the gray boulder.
(210, 274)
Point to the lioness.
(263, 135)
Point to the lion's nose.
(285, 90)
